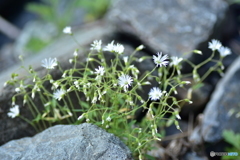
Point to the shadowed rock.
(171, 26)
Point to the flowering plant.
(108, 93)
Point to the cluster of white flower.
(124, 80)
(111, 47)
(217, 45)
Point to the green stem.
(29, 122)
(208, 72)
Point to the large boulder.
(85, 141)
(172, 26)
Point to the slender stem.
(36, 109)
(144, 78)
(205, 61)
(208, 72)
(71, 105)
(29, 122)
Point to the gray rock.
(193, 155)
(85, 142)
(217, 115)
(6, 57)
(171, 26)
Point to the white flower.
(47, 104)
(69, 89)
(125, 59)
(125, 81)
(89, 59)
(56, 84)
(33, 95)
(34, 79)
(59, 94)
(175, 61)
(155, 93)
(146, 83)
(49, 63)
(80, 117)
(76, 84)
(67, 30)
(17, 89)
(214, 45)
(140, 130)
(140, 60)
(96, 45)
(14, 111)
(75, 54)
(100, 71)
(104, 92)
(70, 114)
(224, 51)
(119, 48)
(94, 100)
(140, 47)
(64, 74)
(178, 116)
(186, 82)
(160, 60)
(109, 47)
(108, 119)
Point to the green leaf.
(37, 118)
(44, 11)
(197, 86)
(84, 104)
(35, 44)
(233, 139)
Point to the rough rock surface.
(217, 115)
(85, 142)
(171, 26)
